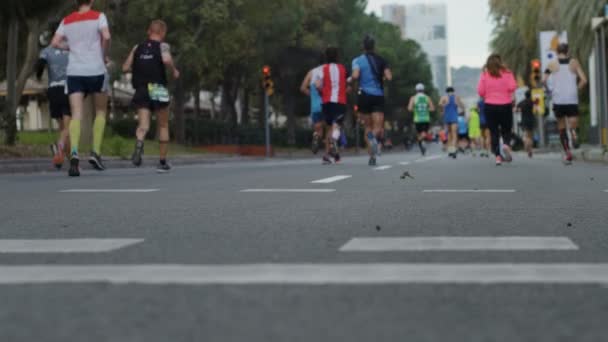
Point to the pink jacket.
(497, 91)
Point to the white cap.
(419, 87)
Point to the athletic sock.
(564, 139)
(74, 135)
(98, 130)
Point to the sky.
(469, 28)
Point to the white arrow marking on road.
(65, 245)
(331, 179)
(310, 274)
(288, 190)
(417, 244)
(101, 191)
(448, 191)
(383, 168)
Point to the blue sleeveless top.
(451, 111)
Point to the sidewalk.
(587, 153)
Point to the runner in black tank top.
(148, 62)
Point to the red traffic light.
(536, 64)
(266, 70)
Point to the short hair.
(158, 26)
(563, 48)
(528, 94)
(331, 55)
(83, 2)
(450, 90)
(369, 43)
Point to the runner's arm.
(431, 104)
(168, 60)
(581, 75)
(460, 104)
(128, 64)
(410, 106)
(305, 87)
(388, 74)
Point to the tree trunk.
(31, 54)
(10, 119)
(245, 106)
(197, 114)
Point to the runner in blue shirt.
(371, 70)
(451, 105)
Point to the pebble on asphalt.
(406, 175)
(569, 224)
(378, 228)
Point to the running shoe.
(498, 160)
(327, 160)
(453, 155)
(74, 166)
(373, 142)
(333, 148)
(316, 143)
(530, 154)
(507, 153)
(568, 158)
(337, 158)
(575, 142)
(96, 162)
(372, 161)
(423, 149)
(138, 153)
(163, 167)
(58, 157)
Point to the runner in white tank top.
(564, 78)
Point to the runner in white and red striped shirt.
(333, 86)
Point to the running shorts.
(143, 100)
(370, 104)
(334, 113)
(316, 117)
(423, 127)
(59, 102)
(87, 84)
(563, 111)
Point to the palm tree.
(575, 16)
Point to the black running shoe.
(138, 153)
(337, 159)
(74, 166)
(96, 162)
(423, 150)
(327, 160)
(163, 167)
(372, 161)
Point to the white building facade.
(427, 25)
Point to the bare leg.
(76, 106)
(144, 124)
(164, 137)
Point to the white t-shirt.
(83, 34)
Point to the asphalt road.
(255, 251)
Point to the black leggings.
(500, 123)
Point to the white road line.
(383, 168)
(405, 163)
(288, 190)
(331, 179)
(65, 245)
(450, 191)
(110, 190)
(417, 244)
(310, 274)
(427, 159)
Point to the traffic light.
(267, 82)
(535, 74)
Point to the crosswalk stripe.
(331, 179)
(383, 168)
(288, 190)
(65, 245)
(448, 191)
(309, 274)
(110, 190)
(410, 244)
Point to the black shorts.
(370, 104)
(423, 127)
(142, 100)
(463, 136)
(528, 124)
(59, 103)
(484, 127)
(334, 113)
(563, 111)
(87, 84)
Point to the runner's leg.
(99, 125)
(164, 137)
(143, 115)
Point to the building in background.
(427, 25)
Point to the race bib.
(158, 93)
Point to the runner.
(497, 86)
(333, 86)
(371, 70)
(528, 122)
(56, 60)
(316, 108)
(148, 61)
(565, 78)
(486, 136)
(451, 106)
(88, 37)
(463, 133)
(422, 106)
(475, 131)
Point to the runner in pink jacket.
(497, 86)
